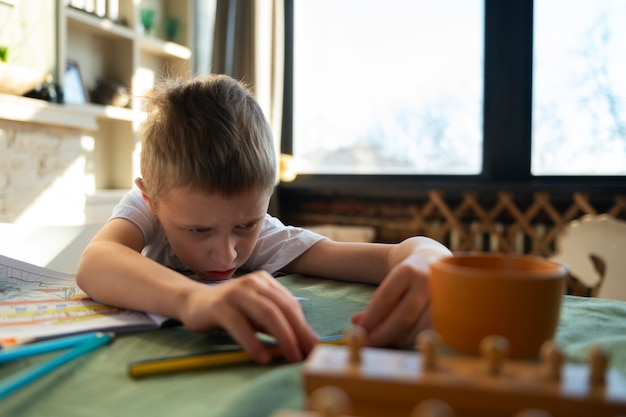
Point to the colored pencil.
(11, 342)
(38, 348)
(22, 379)
(192, 362)
(160, 366)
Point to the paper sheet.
(38, 302)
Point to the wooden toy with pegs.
(392, 383)
(330, 401)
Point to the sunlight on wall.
(63, 202)
(88, 144)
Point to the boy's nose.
(223, 252)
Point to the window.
(579, 88)
(516, 91)
(390, 87)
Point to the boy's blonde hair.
(207, 133)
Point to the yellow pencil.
(208, 360)
(186, 363)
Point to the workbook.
(40, 303)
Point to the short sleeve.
(133, 208)
(278, 245)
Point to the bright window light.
(388, 87)
(579, 94)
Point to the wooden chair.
(593, 248)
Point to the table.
(57, 247)
(98, 384)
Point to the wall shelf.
(123, 53)
(30, 110)
(163, 48)
(95, 24)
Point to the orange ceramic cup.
(475, 295)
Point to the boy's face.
(211, 234)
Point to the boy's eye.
(198, 230)
(247, 226)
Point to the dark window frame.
(507, 110)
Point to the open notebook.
(39, 303)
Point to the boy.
(200, 210)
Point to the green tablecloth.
(98, 385)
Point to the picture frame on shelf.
(74, 89)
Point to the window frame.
(507, 122)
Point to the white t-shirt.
(276, 247)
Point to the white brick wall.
(44, 176)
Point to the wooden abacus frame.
(391, 383)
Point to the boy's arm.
(399, 308)
(113, 271)
(363, 262)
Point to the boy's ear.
(139, 183)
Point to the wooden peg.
(355, 339)
(329, 401)
(494, 349)
(553, 359)
(598, 363)
(432, 408)
(427, 343)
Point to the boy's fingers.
(398, 309)
(259, 302)
(241, 331)
(301, 338)
(266, 314)
(383, 302)
(291, 310)
(357, 318)
(401, 326)
(412, 316)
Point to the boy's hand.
(251, 303)
(399, 308)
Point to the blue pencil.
(25, 351)
(19, 381)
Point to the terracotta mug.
(476, 294)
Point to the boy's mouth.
(220, 275)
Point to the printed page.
(37, 302)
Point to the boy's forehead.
(211, 210)
(192, 200)
(201, 192)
